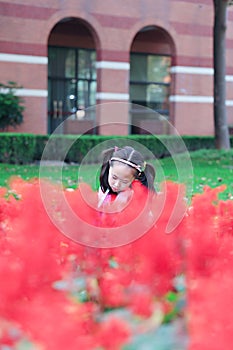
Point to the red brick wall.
(185, 32)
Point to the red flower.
(112, 334)
(141, 304)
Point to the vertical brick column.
(112, 97)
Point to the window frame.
(149, 82)
(75, 79)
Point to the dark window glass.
(72, 77)
(150, 81)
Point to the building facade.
(93, 63)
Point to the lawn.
(208, 167)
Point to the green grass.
(209, 167)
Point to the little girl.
(121, 168)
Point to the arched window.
(150, 79)
(71, 76)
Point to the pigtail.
(147, 176)
(106, 155)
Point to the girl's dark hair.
(144, 172)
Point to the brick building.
(71, 54)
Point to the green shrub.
(16, 148)
(10, 106)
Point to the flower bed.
(58, 294)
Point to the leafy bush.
(10, 106)
(17, 148)
(25, 148)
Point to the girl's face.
(120, 176)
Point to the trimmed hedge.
(16, 148)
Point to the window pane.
(61, 62)
(138, 68)
(71, 98)
(150, 81)
(158, 69)
(82, 92)
(86, 93)
(72, 79)
(154, 96)
(92, 101)
(138, 93)
(155, 93)
(150, 68)
(86, 64)
(52, 61)
(70, 64)
(93, 64)
(157, 96)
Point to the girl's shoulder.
(137, 186)
(141, 192)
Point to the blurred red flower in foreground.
(208, 233)
(54, 291)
